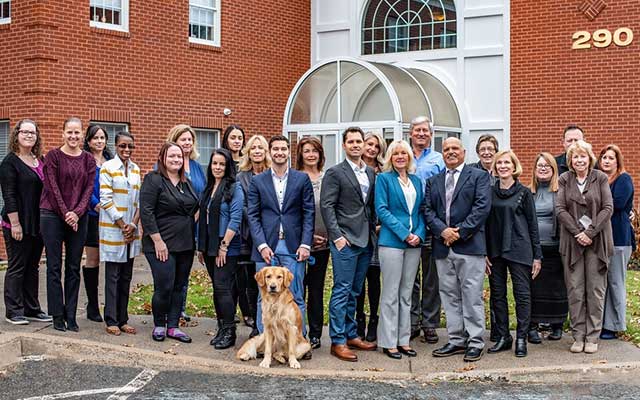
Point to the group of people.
(384, 213)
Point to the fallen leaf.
(170, 351)
(467, 368)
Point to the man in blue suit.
(458, 201)
(281, 214)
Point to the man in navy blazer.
(458, 202)
(281, 214)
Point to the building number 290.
(602, 38)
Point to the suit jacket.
(470, 207)
(393, 213)
(561, 160)
(344, 211)
(265, 216)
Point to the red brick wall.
(54, 65)
(553, 85)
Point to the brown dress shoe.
(360, 344)
(342, 352)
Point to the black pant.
(521, 279)
(425, 298)
(372, 281)
(314, 286)
(55, 233)
(169, 280)
(117, 282)
(246, 286)
(21, 279)
(223, 279)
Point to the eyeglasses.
(490, 149)
(28, 133)
(543, 166)
(126, 145)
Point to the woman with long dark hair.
(233, 139)
(221, 208)
(95, 142)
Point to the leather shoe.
(307, 356)
(606, 334)
(556, 334)
(357, 343)
(414, 334)
(392, 354)
(448, 350)
(342, 352)
(430, 335)
(407, 351)
(521, 347)
(472, 354)
(534, 337)
(315, 342)
(504, 343)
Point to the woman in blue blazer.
(399, 202)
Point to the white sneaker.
(590, 347)
(577, 347)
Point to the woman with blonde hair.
(548, 291)
(584, 209)
(611, 163)
(373, 155)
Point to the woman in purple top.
(21, 181)
(69, 173)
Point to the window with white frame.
(4, 140)
(109, 14)
(204, 22)
(207, 140)
(111, 128)
(5, 11)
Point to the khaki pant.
(586, 287)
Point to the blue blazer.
(393, 213)
(264, 215)
(470, 207)
(622, 192)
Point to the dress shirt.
(456, 176)
(410, 195)
(361, 175)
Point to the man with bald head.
(458, 201)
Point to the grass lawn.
(200, 303)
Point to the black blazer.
(165, 210)
(343, 210)
(21, 190)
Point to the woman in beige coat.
(584, 208)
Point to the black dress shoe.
(414, 333)
(58, 324)
(448, 350)
(72, 325)
(392, 354)
(372, 330)
(504, 343)
(521, 347)
(534, 337)
(307, 356)
(472, 354)
(430, 335)
(556, 334)
(315, 342)
(407, 352)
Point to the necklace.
(33, 161)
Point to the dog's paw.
(280, 358)
(244, 357)
(293, 363)
(265, 363)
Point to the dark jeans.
(55, 234)
(169, 279)
(372, 282)
(223, 279)
(247, 288)
(117, 282)
(425, 298)
(314, 287)
(21, 279)
(521, 279)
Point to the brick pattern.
(553, 85)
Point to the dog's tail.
(250, 348)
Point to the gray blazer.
(343, 210)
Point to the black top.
(561, 160)
(168, 210)
(512, 226)
(21, 190)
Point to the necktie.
(449, 187)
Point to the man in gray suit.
(347, 208)
(458, 202)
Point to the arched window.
(393, 26)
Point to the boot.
(228, 338)
(372, 329)
(218, 335)
(91, 278)
(360, 325)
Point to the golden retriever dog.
(282, 337)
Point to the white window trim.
(216, 27)
(8, 19)
(124, 19)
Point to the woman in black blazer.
(21, 179)
(168, 204)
